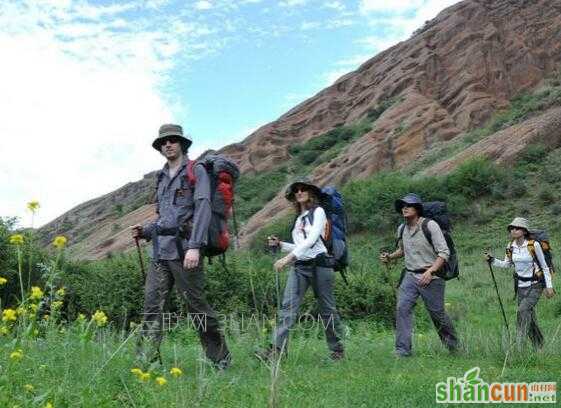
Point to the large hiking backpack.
(223, 174)
(438, 211)
(335, 239)
(541, 237)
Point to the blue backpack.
(336, 231)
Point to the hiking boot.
(337, 355)
(268, 353)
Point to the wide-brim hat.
(410, 199)
(168, 130)
(519, 222)
(301, 181)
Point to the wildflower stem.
(19, 273)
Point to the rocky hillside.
(448, 79)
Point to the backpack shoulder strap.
(190, 173)
(159, 178)
(508, 251)
(426, 231)
(400, 230)
(532, 248)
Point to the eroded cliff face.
(448, 78)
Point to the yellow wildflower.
(21, 311)
(36, 293)
(3, 281)
(33, 205)
(144, 377)
(136, 371)
(29, 387)
(33, 308)
(49, 405)
(9, 315)
(176, 372)
(81, 317)
(16, 239)
(42, 367)
(447, 304)
(59, 242)
(4, 331)
(46, 317)
(35, 332)
(61, 292)
(57, 304)
(16, 355)
(100, 318)
(161, 381)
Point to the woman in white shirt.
(531, 278)
(312, 268)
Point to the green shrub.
(254, 191)
(474, 178)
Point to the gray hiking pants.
(321, 280)
(526, 322)
(433, 297)
(190, 285)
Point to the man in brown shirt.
(422, 262)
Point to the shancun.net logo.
(472, 389)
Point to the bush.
(474, 178)
(113, 285)
(254, 191)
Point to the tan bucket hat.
(519, 222)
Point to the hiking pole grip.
(140, 260)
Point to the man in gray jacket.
(179, 234)
(422, 262)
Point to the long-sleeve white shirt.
(524, 264)
(307, 243)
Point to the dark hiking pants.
(526, 322)
(433, 297)
(321, 280)
(190, 286)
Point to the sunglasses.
(300, 189)
(515, 228)
(171, 139)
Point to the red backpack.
(223, 174)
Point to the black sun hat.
(301, 181)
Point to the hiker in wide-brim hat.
(532, 276)
(312, 266)
(519, 222)
(410, 200)
(177, 250)
(172, 133)
(423, 260)
(304, 182)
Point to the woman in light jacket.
(311, 267)
(531, 278)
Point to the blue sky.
(86, 84)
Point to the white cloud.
(377, 6)
(335, 5)
(81, 102)
(292, 3)
(203, 5)
(310, 25)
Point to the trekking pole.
(489, 261)
(139, 252)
